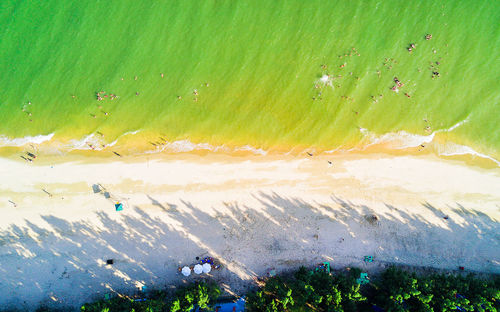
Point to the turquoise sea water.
(249, 72)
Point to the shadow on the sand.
(66, 261)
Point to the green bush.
(397, 290)
(306, 291)
(124, 305)
(394, 290)
(201, 294)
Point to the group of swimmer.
(101, 95)
(398, 85)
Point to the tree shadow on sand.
(64, 263)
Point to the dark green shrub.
(203, 295)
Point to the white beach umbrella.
(186, 271)
(207, 267)
(198, 269)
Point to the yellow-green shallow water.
(238, 73)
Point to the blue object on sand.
(363, 279)
(238, 306)
(119, 206)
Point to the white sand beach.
(252, 213)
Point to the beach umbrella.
(207, 267)
(186, 271)
(198, 269)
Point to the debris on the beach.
(372, 219)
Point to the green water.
(261, 60)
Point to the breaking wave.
(39, 139)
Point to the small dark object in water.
(446, 217)
(110, 261)
(461, 268)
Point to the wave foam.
(184, 146)
(91, 141)
(398, 140)
(39, 139)
(452, 149)
(403, 140)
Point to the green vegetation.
(306, 291)
(394, 290)
(202, 295)
(397, 290)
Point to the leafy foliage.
(398, 290)
(306, 291)
(394, 290)
(202, 295)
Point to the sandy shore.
(252, 213)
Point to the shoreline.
(183, 148)
(252, 213)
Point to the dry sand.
(251, 213)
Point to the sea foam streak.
(451, 149)
(403, 139)
(39, 139)
(184, 146)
